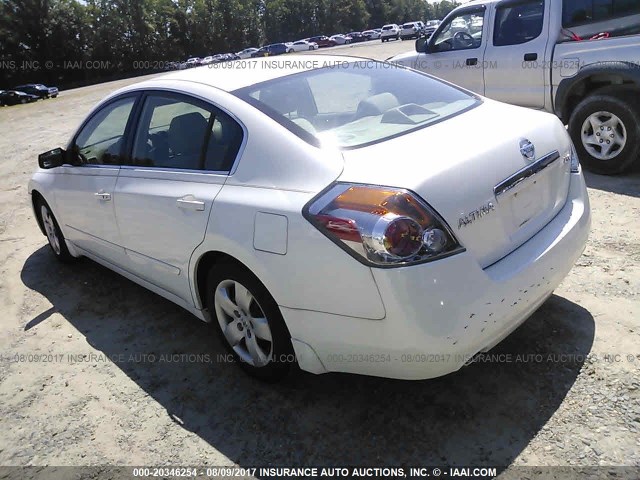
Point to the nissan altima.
(274, 204)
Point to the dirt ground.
(82, 380)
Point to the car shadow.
(627, 184)
(485, 414)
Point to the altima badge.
(471, 217)
(527, 149)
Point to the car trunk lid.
(470, 168)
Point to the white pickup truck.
(579, 59)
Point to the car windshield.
(353, 104)
(407, 25)
(388, 27)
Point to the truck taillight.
(381, 226)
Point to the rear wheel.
(53, 232)
(249, 322)
(605, 128)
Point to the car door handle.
(530, 57)
(189, 202)
(472, 61)
(104, 196)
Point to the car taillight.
(381, 226)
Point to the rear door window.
(178, 132)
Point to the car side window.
(171, 133)
(100, 141)
(582, 12)
(224, 143)
(180, 133)
(463, 32)
(518, 24)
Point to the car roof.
(262, 70)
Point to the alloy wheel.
(50, 229)
(243, 323)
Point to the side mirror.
(52, 159)
(422, 45)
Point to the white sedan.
(247, 52)
(371, 34)
(302, 46)
(341, 39)
(274, 205)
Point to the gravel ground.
(566, 391)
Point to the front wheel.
(53, 232)
(605, 128)
(249, 322)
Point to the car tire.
(235, 320)
(614, 116)
(23, 101)
(52, 231)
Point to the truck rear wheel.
(605, 128)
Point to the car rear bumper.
(440, 314)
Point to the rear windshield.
(354, 104)
(407, 25)
(388, 27)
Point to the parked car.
(592, 86)
(169, 66)
(13, 97)
(389, 32)
(226, 57)
(444, 256)
(193, 62)
(430, 27)
(302, 46)
(371, 34)
(247, 52)
(340, 39)
(410, 30)
(208, 60)
(272, 50)
(357, 37)
(39, 90)
(322, 41)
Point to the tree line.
(69, 42)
